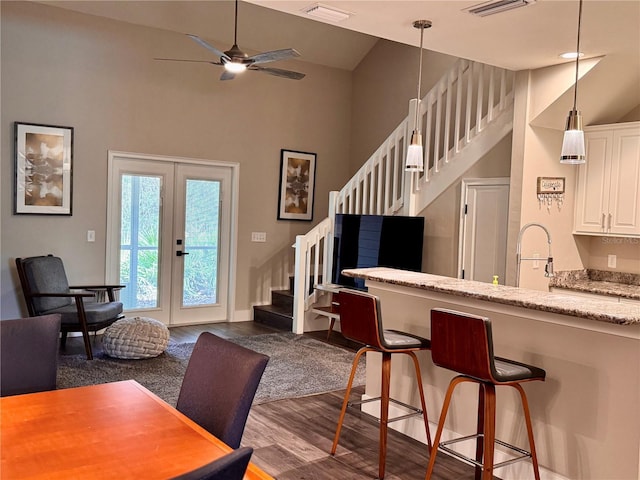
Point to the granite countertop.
(616, 284)
(603, 311)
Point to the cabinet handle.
(609, 227)
(602, 223)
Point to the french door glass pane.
(201, 242)
(139, 241)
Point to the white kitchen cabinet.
(608, 185)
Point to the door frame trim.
(233, 228)
(465, 183)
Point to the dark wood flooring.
(292, 437)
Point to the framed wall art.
(43, 169)
(297, 184)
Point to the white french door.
(169, 237)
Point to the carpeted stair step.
(273, 316)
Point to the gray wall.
(98, 76)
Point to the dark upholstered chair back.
(45, 274)
(230, 467)
(360, 317)
(219, 385)
(28, 354)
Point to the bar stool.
(463, 343)
(361, 322)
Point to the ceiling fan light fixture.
(234, 67)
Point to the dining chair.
(361, 321)
(219, 386)
(46, 290)
(232, 466)
(463, 343)
(28, 354)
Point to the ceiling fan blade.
(187, 60)
(227, 75)
(204, 44)
(274, 55)
(278, 72)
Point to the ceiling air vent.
(326, 13)
(496, 6)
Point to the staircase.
(279, 314)
(462, 118)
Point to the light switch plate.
(91, 235)
(259, 237)
(611, 261)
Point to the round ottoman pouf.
(135, 338)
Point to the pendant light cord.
(417, 126)
(575, 85)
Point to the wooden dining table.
(113, 430)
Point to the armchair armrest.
(101, 288)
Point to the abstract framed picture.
(43, 169)
(297, 184)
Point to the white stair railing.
(471, 100)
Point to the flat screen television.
(376, 241)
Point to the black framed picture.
(297, 185)
(43, 169)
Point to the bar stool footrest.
(524, 454)
(414, 410)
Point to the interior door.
(483, 232)
(169, 238)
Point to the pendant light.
(573, 149)
(415, 153)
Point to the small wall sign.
(550, 189)
(550, 185)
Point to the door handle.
(180, 253)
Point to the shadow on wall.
(271, 275)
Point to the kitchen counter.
(619, 314)
(585, 414)
(615, 284)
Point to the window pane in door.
(201, 243)
(139, 241)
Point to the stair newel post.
(299, 282)
(328, 258)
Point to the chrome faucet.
(548, 268)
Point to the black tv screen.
(376, 241)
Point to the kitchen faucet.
(548, 268)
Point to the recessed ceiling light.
(326, 13)
(571, 55)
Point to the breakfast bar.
(585, 415)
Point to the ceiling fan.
(236, 61)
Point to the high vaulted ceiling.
(524, 38)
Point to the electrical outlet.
(536, 263)
(611, 261)
(259, 237)
(91, 235)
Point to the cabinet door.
(624, 197)
(593, 184)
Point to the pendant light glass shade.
(573, 149)
(415, 153)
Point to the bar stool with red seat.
(463, 343)
(361, 322)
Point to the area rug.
(298, 366)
